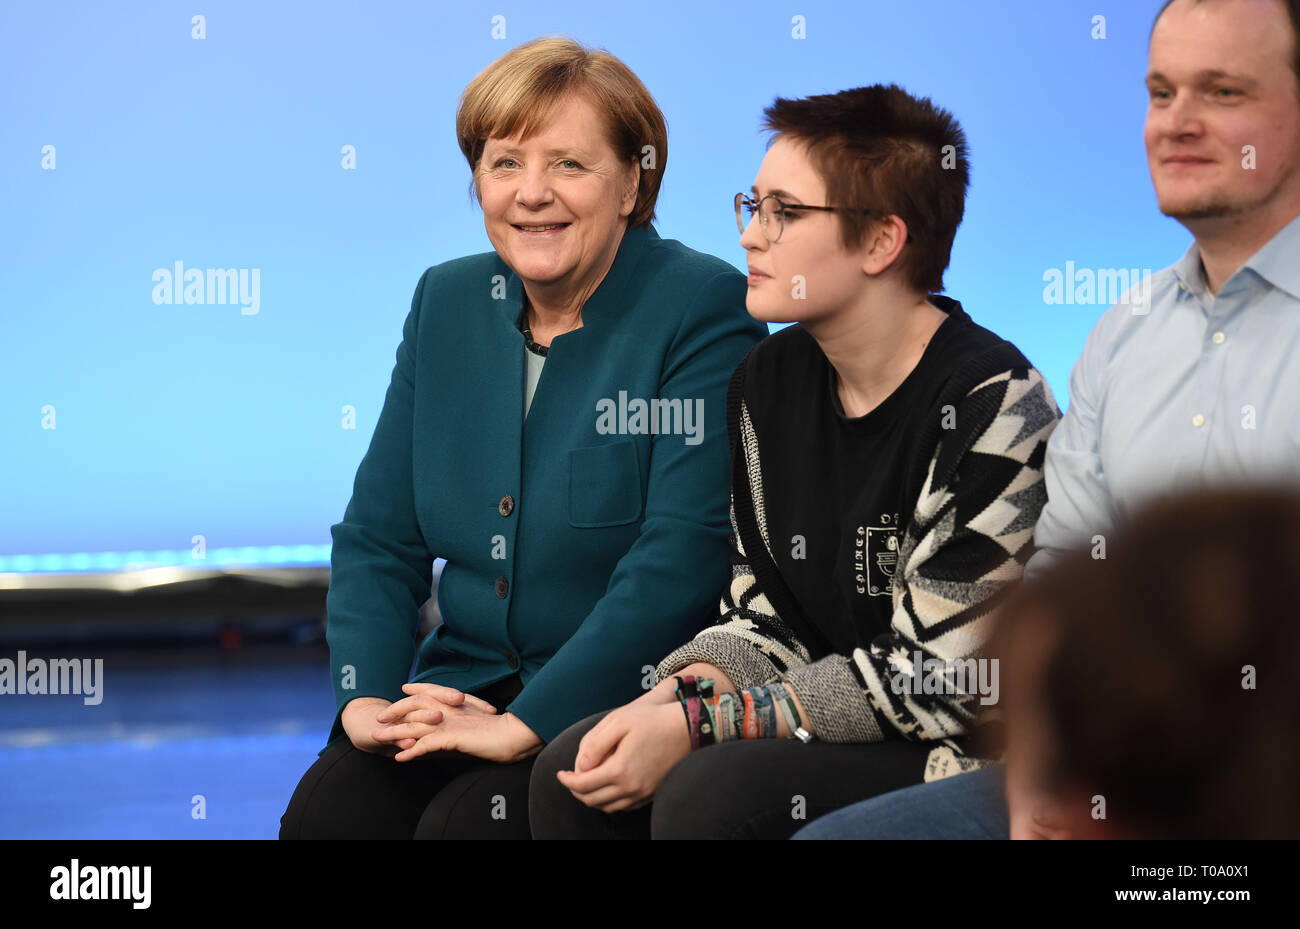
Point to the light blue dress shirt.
(1178, 388)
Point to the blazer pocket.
(604, 485)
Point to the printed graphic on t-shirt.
(875, 557)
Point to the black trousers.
(751, 789)
(351, 794)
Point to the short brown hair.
(518, 92)
(1292, 8)
(879, 148)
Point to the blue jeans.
(964, 806)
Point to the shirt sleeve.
(1079, 505)
(968, 537)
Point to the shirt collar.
(1188, 270)
(1275, 263)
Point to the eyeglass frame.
(757, 210)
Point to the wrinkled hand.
(426, 706)
(505, 738)
(624, 758)
(359, 721)
(435, 718)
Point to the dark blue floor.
(237, 727)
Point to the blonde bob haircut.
(518, 92)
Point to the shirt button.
(506, 506)
(502, 587)
(512, 659)
(1218, 338)
(1198, 420)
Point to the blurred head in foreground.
(1152, 693)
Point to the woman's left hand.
(624, 758)
(428, 704)
(466, 728)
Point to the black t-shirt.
(833, 486)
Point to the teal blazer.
(611, 549)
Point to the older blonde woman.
(555, 430)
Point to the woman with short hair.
(886, 478)
(554, 430)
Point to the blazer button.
(506, 506)
(512, 659)
(502, 587)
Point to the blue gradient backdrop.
(225, 153)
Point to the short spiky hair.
(879, 148)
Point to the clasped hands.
(436, 718)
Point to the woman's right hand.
(426, 703)
(431, 704)
(359, 721)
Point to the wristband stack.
(749, 714)
(693, 692)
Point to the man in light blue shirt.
(1194, 377)
(1202, 389)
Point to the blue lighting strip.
(252, 556)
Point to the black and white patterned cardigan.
(978, 481)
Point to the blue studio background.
(227, 152)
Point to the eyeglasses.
(772, 212)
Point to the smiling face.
(1221, 79)
(555, 205)
(809, 248)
